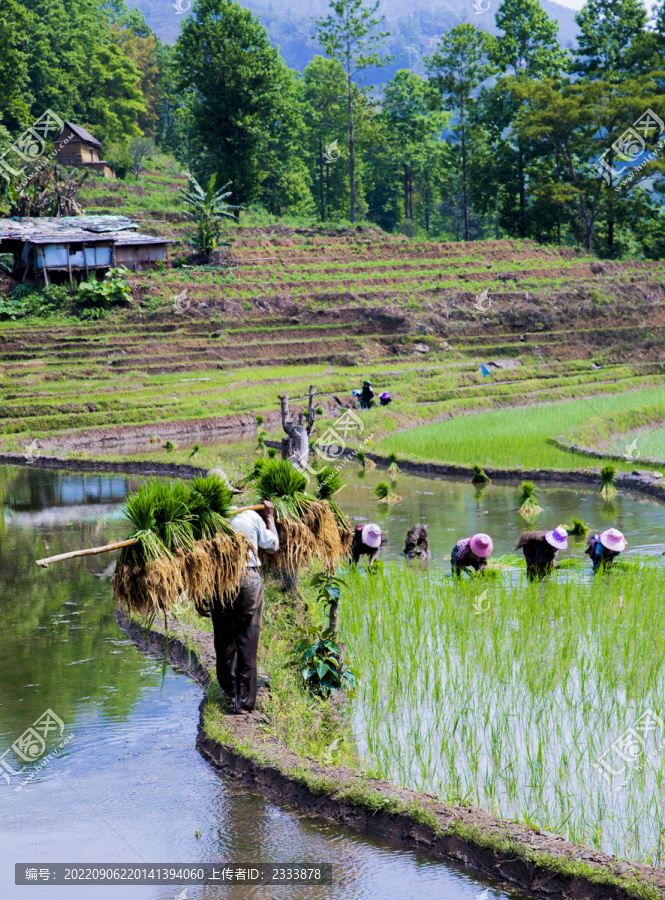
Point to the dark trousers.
(237, 627)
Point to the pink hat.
(481, 544)
(371, 535)
(613, 539)
(557, 538)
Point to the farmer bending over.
(605, 547)
(237, 624)
(471, 553)
(540, 550)
(367, 541)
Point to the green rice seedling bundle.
(361, 456)
(393, 468)
(183, 542)
(577, 528)
(479, 476)
(607, 481)
(306, 526)
(385, 493)
(529, 507)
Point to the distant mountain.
(415, 27)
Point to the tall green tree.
(349, 36)
(414, 128)
(239, 83)
(323, 99)
(608, 28)
(526, 47)
(457, 68)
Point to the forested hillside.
(494, 132)
(415, 26)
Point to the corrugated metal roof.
(81, 132)
(22, 228)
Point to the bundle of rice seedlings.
(280, 483)
(479, 476)
(297, 548)
(272, 452)
(213, 569)
(261, 443)
(361, 456)
(254, 472)
(393, 468)
(607, 484)
(148, 575)
(577, 527)
(323, 524)
(195, 450)
(329, 483)
(385, 494)
(209, 505)
(529, 507)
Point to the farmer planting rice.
(237, 623)
(604, 548)
(367, 540)
(471, 553)
(540, 549)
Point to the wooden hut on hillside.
(77, 245)
(75, 146)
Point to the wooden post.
(69, 264)
(85, 260)
(44, 269)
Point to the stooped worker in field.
(471, 553)
(366, 396)
(237, 624)
(367, 541)
(385, 398)
(604, 548)
(540, 549)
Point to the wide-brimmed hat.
(614, 540)
(481, 544)
(384, 395)
(371, 535)
(220, 473)
(557, 538)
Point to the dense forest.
(493, 133)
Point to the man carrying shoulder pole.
(237, 624)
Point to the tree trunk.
(352, 155)
(522, 219)
(465, 187)
(406, 195)
(333, 619)
(295, 446)
(323, 209)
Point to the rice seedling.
(261, 443)
(529, 506)
(577, 527)
(278, 481)
(393, 468)
(607, 481)
(479, 476)
(562, 661)
(195, 449)
(361, 456)
(169, 446)
(385, 493)
(272, 452)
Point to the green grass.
(515, 437)
(510, 709)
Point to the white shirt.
(254, 528)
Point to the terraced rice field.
(286, 307)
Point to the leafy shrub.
(320, 663)
(28, 300)
(97, 297)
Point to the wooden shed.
(75, 146)
(77, 245)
